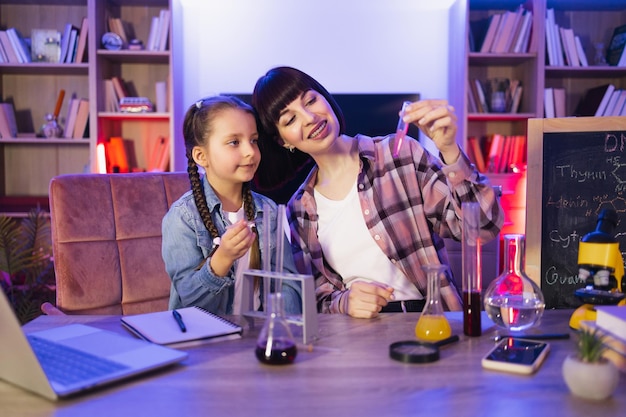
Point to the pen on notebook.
(179, 320)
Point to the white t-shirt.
(350, 249)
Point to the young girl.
(366, 218)
(211, 234)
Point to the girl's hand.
(437, 120)
(234, 243)
(366, 299)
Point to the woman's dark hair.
(197, 128)
(272, 93)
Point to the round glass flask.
(433, 325)
(275, 344)
(513, 301)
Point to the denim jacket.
(187, 242)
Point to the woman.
(364, 220)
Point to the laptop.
(36, 361)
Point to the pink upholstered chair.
(106, 240)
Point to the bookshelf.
(28, 162)
(593, 22)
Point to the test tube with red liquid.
(400, 130)
(472, 269)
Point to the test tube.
(400, 130)
(280, 239)
(267, 252)
(472, 269)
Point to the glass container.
(513, 301)
(275, 344)
(472, 270)
(433, 325)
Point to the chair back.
(106, 240)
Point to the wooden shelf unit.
(593, 21)
(27, 163)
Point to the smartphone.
(519, 356)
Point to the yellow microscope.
(601, 266)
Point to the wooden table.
(348, 373)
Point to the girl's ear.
(199, 156)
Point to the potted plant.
(26, 266)
(587, 373)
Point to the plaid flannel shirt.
(409, 203)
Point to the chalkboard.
(576, 167)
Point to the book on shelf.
(581, 52)
(501, 43)
(116, 155)
(615, 344)
(559, 101)
(619, 104)
(497, 153)
(71, 46)
(160, 156)
(151, 44)
(82, 119)
(201, 326)
(594, 101)
(7, 46)
(616, 45)
(522, 40)
(548, 102)
(494, 22)
(117, 26)
(81, 47)
(164, 29)
(8, 123)
(121, 90)
(70, 120)
(516, 99)
(569, 45)
(9, 113)
(517, 25)
(476, 153)
(65, 41)
(19, 45)
(482, 97)
(45, 45)
(111, 102)
(610, 106)
(553, 40)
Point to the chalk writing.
(583, 172)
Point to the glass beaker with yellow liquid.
(433, 325)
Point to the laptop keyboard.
(67, 366)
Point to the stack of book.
(77, 119)
(563, 45)
(507, 32)
(611, 323)
(497, 153)
(603, 100)
(159, 32)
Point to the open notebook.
(201, 326)
(70, 359)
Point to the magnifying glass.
(413, 351)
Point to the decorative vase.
(593, 381)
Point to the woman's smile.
(319, 130)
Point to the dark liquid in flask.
(471, 313)
(282, 352)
